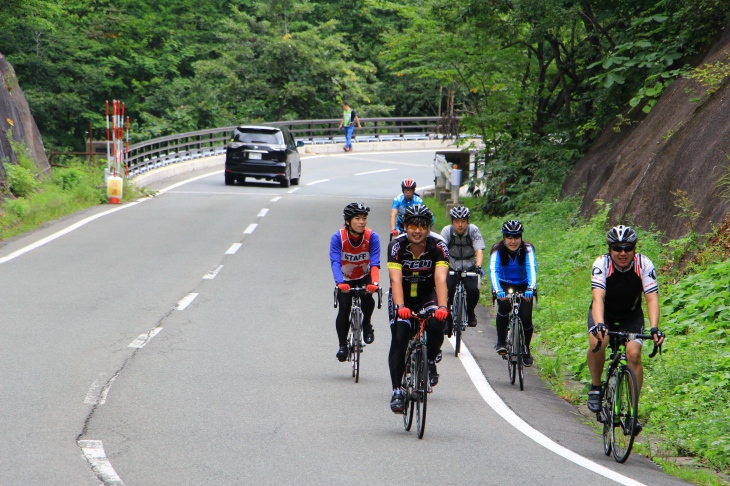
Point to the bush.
(21, 181)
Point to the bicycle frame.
(515, 341)
(416, 380)
(354, 338)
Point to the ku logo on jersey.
(356, 257)
(597, 271)
(417, 265)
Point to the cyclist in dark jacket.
(418, 262)
(512, 268)
(618, 279)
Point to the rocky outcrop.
(15, 118)
(682, 144)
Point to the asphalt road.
(189, 339)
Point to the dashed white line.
(293, 190)
(250, 229)
(211, 275)
(318, 182)
(93, 451)
(186, 301)
(233, 249)
(276, 199)
(143, 339)
(262, 213)
(495, 402)
(374, 172)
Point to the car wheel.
(285, 181)
(230, 180)
(295, 181)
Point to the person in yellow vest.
(349, 119)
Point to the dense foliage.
(538, 78)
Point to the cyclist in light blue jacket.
(512, 268)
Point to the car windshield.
(253, 135)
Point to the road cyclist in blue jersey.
(466, 251)
(355, 261)
(418, 262)
(618, 280)
(403, 201)
(513, 268)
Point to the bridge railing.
(171, 149)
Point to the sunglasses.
(619, 248)
(414, 227)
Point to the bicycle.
(458, 307)
(354, 335)
(620, 410)
(515, 341)
(416, 381)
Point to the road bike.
(515, 341)
(354, 335)
(458, 307)
(416, 380)
(620, 410)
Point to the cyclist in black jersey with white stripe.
(618, 279)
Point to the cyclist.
(355, 260)
(418, 262)
(618, 279)
(466, 251)
(512, 267)
(401, 202)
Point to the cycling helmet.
(417, 211)
(512, 228)
(621, 234)
(408, 184)
(459, 212)
(353, 209)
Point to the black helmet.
(408, 184)
(621, 234)
(353, 209)
(417, 211)
(459, 212)
(512, 228)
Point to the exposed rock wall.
(680, 145)
(15, 114)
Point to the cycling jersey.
(623, 288)
(401, 203)
(463, 249)
(418, 273)
(513, 273)
(352, 259)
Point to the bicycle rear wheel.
(422, 386)
(625, 413)
(520, 346)
(457, 316)
(407, 385)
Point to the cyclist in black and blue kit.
(512, 268)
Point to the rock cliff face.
(15, 114)
(682, 144)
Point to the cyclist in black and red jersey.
(418, 262)
(618, 279)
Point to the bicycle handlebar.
(631, 336)
(360, 291)
(464, 274)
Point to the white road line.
(374, 172)
(95, 398)
(293, 190)
(211, 275)
(143, 339)
(233, 249)
(318, 182)
(250, 229)
(93, 451)
(178, 184)
(186, 301)
(490, 396)
(262, 213)
(276, 199)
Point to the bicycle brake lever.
(598, 346)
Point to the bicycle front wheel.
(458, 312)
(625, 413)
(511, 357)
(356, 342)
(520, 346)
(423, 384)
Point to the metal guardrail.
(172, 149)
